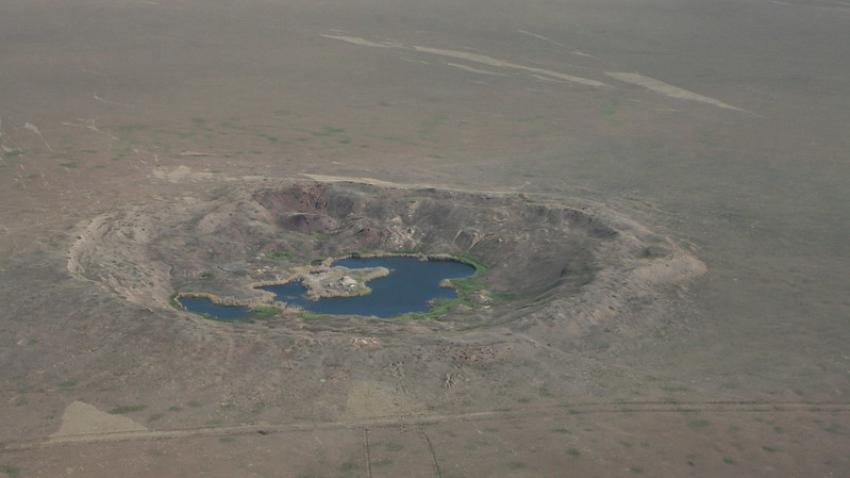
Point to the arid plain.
(658, 188)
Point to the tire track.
(425, 420)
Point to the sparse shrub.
(10, 471)
(278, 256)
(698, 423)
(394, 446)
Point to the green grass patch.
(307, 315)
(124, 409)
(831, 428)
(465, 288)
(263, 313)
(172, 300)
(131, 128)
(503, 296)
(573, 452)
(467, 258)
(69, 164)
(13, 153)
(279, 256)
(728, 460)
(698, 423)
(329, 131)
(672, 388)
(10, 471)
(439, 308)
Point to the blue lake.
(204, 306)
(412, 283)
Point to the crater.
(291, 252)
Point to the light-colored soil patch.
(668, 89)
(375, 399)
(82, 419)
(341, 281)
(474, 70)
(495, 62)
(180, 173)
(362, 41)
(471, 57)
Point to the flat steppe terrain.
(721, 126)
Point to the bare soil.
(658, 189)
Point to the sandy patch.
(668, 89)
(180, 173)
(470, 57)
(474, 70)
(82, 419)
(495, 62)
(541, 37)
(363, 42)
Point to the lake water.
(409, 287)
(204, 306)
